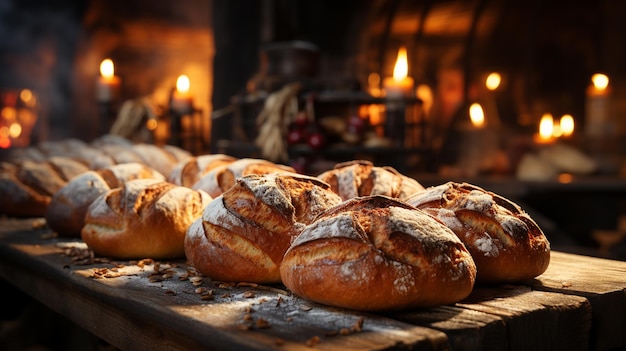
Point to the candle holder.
(186, 129)
(395, 120)
(106, 116)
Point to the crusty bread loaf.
(189, 172)
(505, 242)
(145, 218)
(376, 253)
(163, 159)
(244, 232)
(65, 214)
(26, 187)
(220, 179)
(361, 178)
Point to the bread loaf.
(26, 187)
(244, 232)
(65, 214)
(220, 179)
(505, 242)
(145, 218)
(189, 172)
(361, 178)
(375, 253)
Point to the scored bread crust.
(376, 253)
(244, 232)
(26, 187)
(506, 243)
(145, 218)
(65, 214)
(361, 178)
(220, 179)
(188, 172)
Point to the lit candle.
(567, 125)
(400, 85)
(182, 101)
(597, 106)
(477, 115)
(546, 130)
(108, 84)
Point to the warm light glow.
(567, 125)
(477, 115)
(4, 132)
(182, 84)
(565, 178)
(15, 130)
(600, 81)
(373, 80)
(493, 81)
(27, 96)
(401, 69)
(8, 113)
(425, 93)
(151, 124)
(107, 69)
(546, 126)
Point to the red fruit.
(296, 136)
(316, 140)
(356, 125)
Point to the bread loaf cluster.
(357, 236)
(505, 242)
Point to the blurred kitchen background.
(497, 93)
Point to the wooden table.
(579, 303)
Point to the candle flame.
(182, 84)
(567, 125)
(600, 81)
(107, 69)
(546, 126)
(401, 69)
(493, 81)
(477, 115)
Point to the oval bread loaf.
(375, 253)
(244, 232)
(145, 218)
(506, 243)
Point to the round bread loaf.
(26, 187)
(376, 253)
(188, 172)
(65, 214)
(244, 232)
(505, 242)
(361, 178)
(145, 218)
(220, 179)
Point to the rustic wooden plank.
(511, 318)
(536, 320)
(603, 282)
(126, 306)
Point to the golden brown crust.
(506, 243)
(26, 187)
(146, 218)
(222, 178)
(65, 213)
(188, 172)
(244, 232)
(361, 178)
(376, 253)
